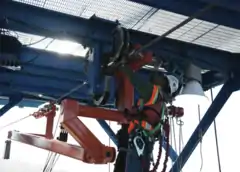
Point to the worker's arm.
(144, 87)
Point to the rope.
(49, 159)
(200, 135)
(174, 134)
(14, 122)
(167, 131)
(216, 137)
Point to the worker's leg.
(136, 163)
(143, 87)
(122, 136)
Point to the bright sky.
(26, 158)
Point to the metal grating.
(148, 19)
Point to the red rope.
(155, 167)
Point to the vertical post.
(94, 69)
(205, 123)
(49, 126)
(7, 149)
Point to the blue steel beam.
(224, 13)
(88, 32)
(24, 103)
(108, 130)
(7, 88)
(212, 79)
(49, 74)
(226, 91)
(51, 60)
(31, 80)
(13, 100)
(95, 77)
(71, 68)
(226, 4)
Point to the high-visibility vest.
(151, 101)
(153, 98)
(144, 124)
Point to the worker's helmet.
(173, 83)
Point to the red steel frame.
(91, 150)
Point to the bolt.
(108, 154)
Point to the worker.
(164, 86)
(157, 89)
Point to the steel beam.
(88, 32)
(212, 79)
(57, 63)
(24, 103)
(94, 72)
(224, 13)
(225, 4)
(47, 74)
(13, 100)
(226, 91)
(108, 130)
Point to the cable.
(195, 15)
(42, 39)
(71, 91)
(180, 123)
(14, 122)
(38, 54)
(200, 135)
(50, 154)
(216, 137)
(174, 135)
(171, 135)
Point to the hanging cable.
(180, 123)
(174, 135)
(216, 138)
(38, 54)
(200, 135)
(33, 43)
(171, 136)
(51, 154)
(14, 122)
